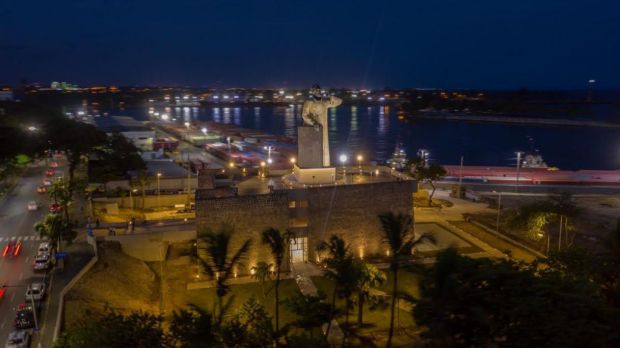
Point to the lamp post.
(343, 160)
(262, 169)
(519, 153)
(293, 161)
(360, 158)
(158, 192)
(131, 197)
(499, 209)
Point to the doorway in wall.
(299, 249)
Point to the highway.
(16, 223)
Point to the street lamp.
(293, 161)
(343, 160)
(269, 148)
(519, 153)
(359, 162)
(131, 197)
(158, 191)
(262, 169)
(499, 209)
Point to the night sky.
(538, 44)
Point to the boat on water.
(398, 161)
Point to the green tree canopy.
(500, 303)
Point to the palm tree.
(398, 236)
(278, 243)
(55, 228)
(262, 273)
(60, 193)
(370, 276)
(213, 255)
(143, 180)
(338, 253)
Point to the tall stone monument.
(313, 165)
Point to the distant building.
(142, 137)
(6, 94)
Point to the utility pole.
(189, 177)
(499, 209)
(519, 153)
(461, 178)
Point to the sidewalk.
(79, 255)
(302, 273)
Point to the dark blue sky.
(539, 44)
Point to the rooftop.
(349, 176)
(117, 124)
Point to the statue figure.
(314, 113)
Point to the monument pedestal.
(315, 176)
(310, 147)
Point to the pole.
(34, 311)
(518, 169)
(131, 198)
(158, 192)
(560, 235)
(189, 176)
(499, 209)
(461, 179)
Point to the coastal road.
(16, 223)
(527, 188)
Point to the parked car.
(45, 248)
(41, 189)
(24, 318)
(32, 206)
(50, 172)
(18, 339)
(47, 182)
(53, 164)
(12, 249)
(35, 291)
(42, 263)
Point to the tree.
(369, 276)
(278, 244)
(143, 180)
(60, 193)
(194, 328)
(114, 330)
(401, 241)
(250, 327)
(77, 139)
(262, 273)
(214, 258)
(429, 174)
(500, 303)
(55, 228)
(338, 254)
(309, 310)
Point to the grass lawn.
(407, 282)
(240, 294)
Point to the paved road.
(523, 188)
(16, 223)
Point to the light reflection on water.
(375, 131)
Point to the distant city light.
(204, 130)
(164, 116)
(186, 124)
(32, 128)
(343, 158)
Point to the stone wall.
(250, 215)
(351, 211)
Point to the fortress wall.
(351, 211)
(250, 215)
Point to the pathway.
(302, 273)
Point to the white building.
(142, 137)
